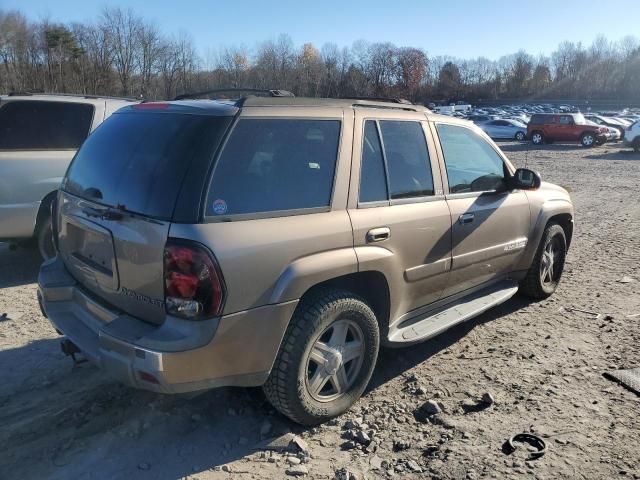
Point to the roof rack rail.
(402, 101)
(239, 98)
(76, 95)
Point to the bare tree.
(124, 31)
(412, 68)
(122, 53)
(149, 44)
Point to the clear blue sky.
(460, 28)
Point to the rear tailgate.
(119, 198)
(119, 260)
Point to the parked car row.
(560, 123)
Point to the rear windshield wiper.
(104, 214)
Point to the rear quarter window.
(273, 165)
(40, 125)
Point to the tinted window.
(407, 158)
(566, 120)
(373, 184)
(272, 165)
(536, 120)
(472, 164)
(33, 125)
(139, 160)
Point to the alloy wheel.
(335, 360)
(587, 140)
(550, 265)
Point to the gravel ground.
(538, 365)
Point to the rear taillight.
(151, 106)
(193, 285)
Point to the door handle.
(466, 218)
(378, 234)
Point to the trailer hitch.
(70, 349)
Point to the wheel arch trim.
(557, 208)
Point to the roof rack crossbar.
(240, 98)
(408, 108)
(403, 101)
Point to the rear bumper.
(234, 350)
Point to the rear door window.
(373, 182)
(40, 125)
(407, 158)
(138, 161)
(398, 166)
(273, 165)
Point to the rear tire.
(588, 140)
(311, 353)
(546, 269)
(636, 144)
(537, 138)
(44, 237)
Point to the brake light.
(193, 285)
(151, 106)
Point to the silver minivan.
(39, 135)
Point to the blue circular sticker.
(219, 207)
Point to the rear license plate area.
(88, 247)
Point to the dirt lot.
(542, 363)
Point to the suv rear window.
(138, 161)
(38, 125)
(271, 165)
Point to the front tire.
(588, 140)
(544, 274)
(636, 145)
(326, 358)
(520, 136)
(45, 239)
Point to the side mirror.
(525, 179)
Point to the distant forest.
(121, 53)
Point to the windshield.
(137, 161)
